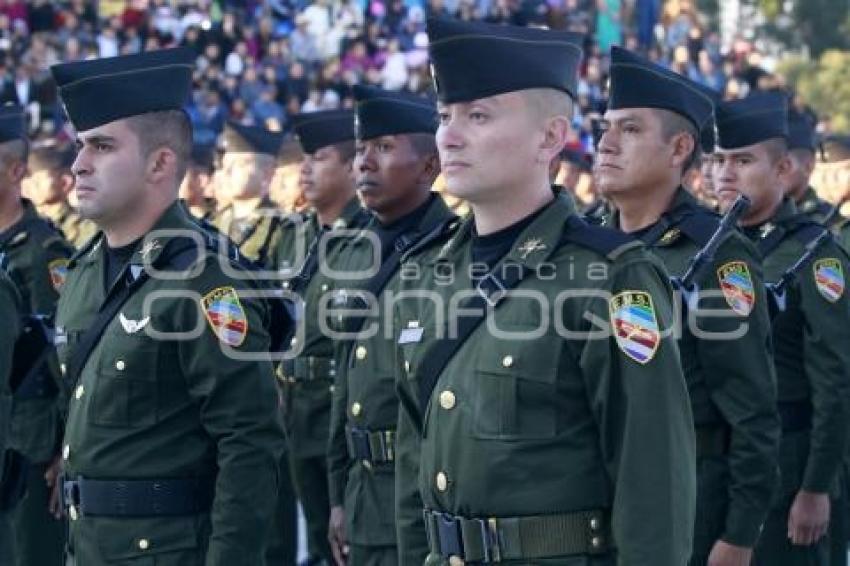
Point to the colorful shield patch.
(226, 315)
(829, 278)
(737, 286)
(635, 325)
(58, 269)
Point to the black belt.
(137, 498)
(518, 538)
(308, 368)
(796, 416)
(370, 447)
(712, 441)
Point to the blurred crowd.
(261, 61)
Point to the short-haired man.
(811, 327)
(173, 439)
(540, 383)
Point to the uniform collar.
(682, 200)
(536, 242)
(347, 216)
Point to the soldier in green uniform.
(810, 328)
(801, 155)
(307, 247)
(395, 166)
(250, 219)
(555, 422)
(730, 374)
(196, 183)
(10, 306)
(37, 257)
(172, 441)
(48, 184)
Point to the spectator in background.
(609, 27)
(208, 116)
(394, 74)
(267, 111)
(304, 46)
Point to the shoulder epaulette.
(87, 247)
(438, 234)
(699, 226)
(604, 241)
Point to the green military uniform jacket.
(365, 399)
(77, 230)
(205, 211)
(731, 382)
(815, 208)
(254, 235)
(811, 356)
(537, 419)
(307, 398)
(153, 403)
(10, 306)
(37, 258)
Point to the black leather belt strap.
(137, 498)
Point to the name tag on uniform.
(60, 337)
(410, 335)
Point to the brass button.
(78, 392)
(66, 451)
(456, 561)
(447, 400)
(286, 284)
(406, 366)
(72, 513)
(63, 368)
(356, 408)
(324, 287)
(331, 388)
(442, 481)
(367, 465)
(293, 342)
(360, 352)
(144, 544)
(596, 542)
(594, 524)
(507, 361)
(120, 365)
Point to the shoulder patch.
(58, 269)
(829, 278)
(635, 325)
(737, 286)
(225, 315)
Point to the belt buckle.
(448, 530)
(494, 298)
(71, 498)
(490, 539)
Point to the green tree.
(818, 24)
(824, 84)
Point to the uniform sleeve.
(410, 525)
(741, 381)
(238, 408)
(640, 402)
(826, 335)
(338, 459)
(48, 279)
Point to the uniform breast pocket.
(125, 386)
(515, 390)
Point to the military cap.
(316, 130)
(801, 131)
(751, 120)
(251, 139)
(13, 125)
(50, 157)
(386, 113)
(99, 91)
(835, 148)
(639, 83)
(473, 60)
(203, 156)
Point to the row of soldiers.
(651, 386)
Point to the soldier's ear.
(162, 163)
(430, 169)
(555, 136)
(683, 147)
